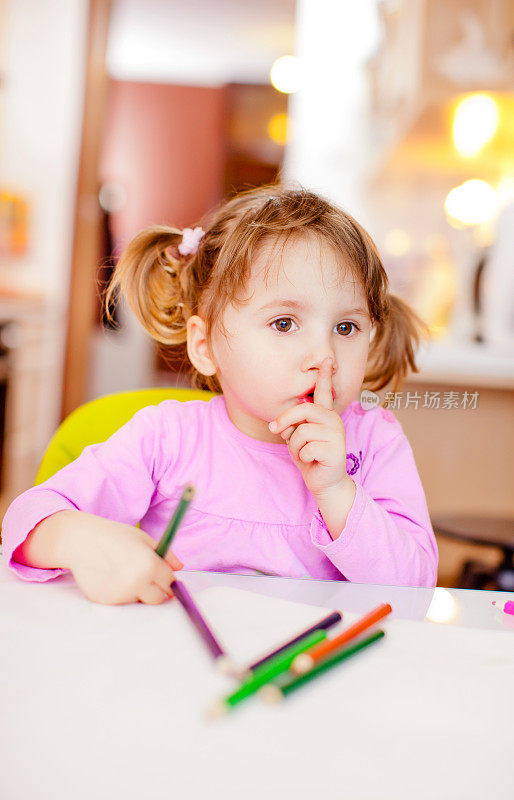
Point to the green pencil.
(167, 537)
(273, 667)
(276, 692)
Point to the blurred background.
(117, 115)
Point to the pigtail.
(392, 350)
(164, 288)
(155, 284)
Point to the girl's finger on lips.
(323, 387)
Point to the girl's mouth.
(309, 397)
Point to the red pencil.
(305, 661)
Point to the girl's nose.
(315, 362)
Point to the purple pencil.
(327, 622)
(193, 612)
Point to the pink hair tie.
(190, 240)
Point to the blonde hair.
(164, 288)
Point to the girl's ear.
(198, 348)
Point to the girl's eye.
(284, 322)
(348, 327)
(280, 322)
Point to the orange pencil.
(305, 661)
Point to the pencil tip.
(302, 664)
(270, 694)
(226, 667)
(216, 711)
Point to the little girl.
(285, 308)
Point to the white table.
(99, 702)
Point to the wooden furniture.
(463, 452)
(34, 365)
(482, 530)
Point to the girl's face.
(302, 311)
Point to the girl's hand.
(115, 563)
(316, 437)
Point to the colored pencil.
(180, 591)
(323, 624)
(275, 692)
(265, 673)
(193, 612)
(306, 661)
(167, 537)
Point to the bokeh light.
(472, 203)
(475, 123)
(397, 242)
(285, 74)
(443, 607)
(278, 128)
(505, 191)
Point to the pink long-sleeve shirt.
(252, 511)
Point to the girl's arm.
(111, 562)
(387, 537)
(115, 480)
(45, 546)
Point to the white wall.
(330, 142)
(198, 42)
(43, 60)
(43, 70)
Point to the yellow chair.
(98, 419)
